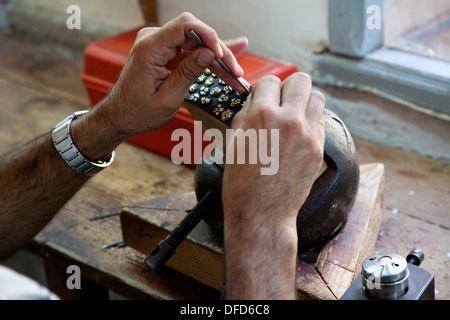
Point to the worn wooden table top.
(38, 89)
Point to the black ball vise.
(387, 276)
(332, 196)
(329, 202)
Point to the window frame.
(358, 59)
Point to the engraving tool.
(219, 61)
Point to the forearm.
(35, 182)
(260, 258)
(260, 211)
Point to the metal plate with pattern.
(217, 98)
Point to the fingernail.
(220, 52)
(245, 82)
(205, 58)
(240, 70)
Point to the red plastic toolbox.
(104, 59)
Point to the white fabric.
(14, 286)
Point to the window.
(3, 18)
(393, 54)
(418, 26)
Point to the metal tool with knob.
(389, 276)
(385, 276)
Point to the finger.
(208, 36)
(314, 113)
(186, 72)
(321, 135)
(146, 33)
(172, 64)
(221, 73)
(177, 34)
(315, 106)
(267, 93)
(296, 91)
(237, 45)
(230, 60)
(233, 65)
(215, 68)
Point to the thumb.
(186, 72)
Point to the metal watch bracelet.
(63, 143)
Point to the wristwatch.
(67, 150)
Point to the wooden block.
(146, 223)
(310, 285)
(339, 262)
(200, 256)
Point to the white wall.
(119, 15)
(290, 30)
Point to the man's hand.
(162, 65)
(261, 211)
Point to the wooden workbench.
(38, 89)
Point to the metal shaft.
(165, 249)
(219, 61)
